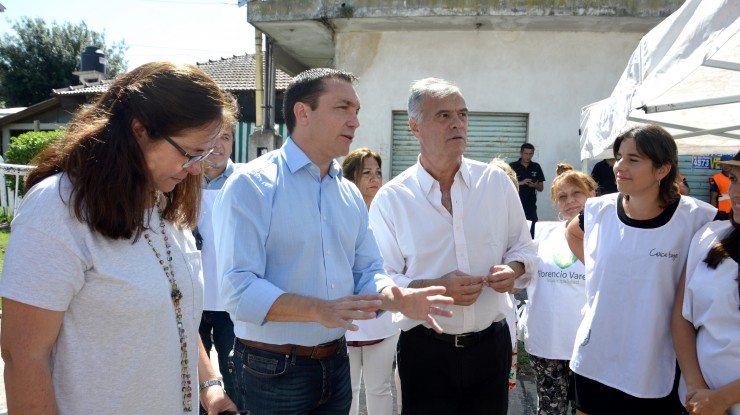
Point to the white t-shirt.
(419, 239)
(556, 296)
(632, 272)
(710, 302)
(118, 349)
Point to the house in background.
(526, 67)
(47, 115)
(235, 75)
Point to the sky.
(182, 31)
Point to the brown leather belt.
(363, 343)
(321, 351)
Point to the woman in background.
(556, 296)
(706, 316)
(372, 348)
(634, 245)
(102, 293)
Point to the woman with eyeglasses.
(372, 348)
(101, 285)
(706, 316)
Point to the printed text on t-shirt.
(670, 255)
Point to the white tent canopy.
(685, 76)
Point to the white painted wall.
(549, 75)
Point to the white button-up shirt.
(420, 239)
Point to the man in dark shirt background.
(603, 173)
(531, 180)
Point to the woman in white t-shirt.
(706, 316)
(102, 286)
(634, 245)
(556, 295)
(372, 348)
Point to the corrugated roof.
(237, 73)
(231, 74)
(95, 88)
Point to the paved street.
(523, 399)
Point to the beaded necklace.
(176, 295)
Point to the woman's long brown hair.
(111, 186)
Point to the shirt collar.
(426, 181)
(226, 173)
(464, 172)
(335, 170)
(296, 159)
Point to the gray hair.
(428, 87)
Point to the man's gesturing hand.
(418, 303)
(341, 312)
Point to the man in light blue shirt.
(298, 262)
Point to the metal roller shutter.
(490, 135)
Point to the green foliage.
(25, 147)
(39, 58)
(523, 363)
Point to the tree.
(38, 58)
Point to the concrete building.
(526, 67)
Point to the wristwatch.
(210, 383)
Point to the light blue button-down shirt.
(283, 229)
(218, 181)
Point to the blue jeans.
(270, 383)
(219, 325)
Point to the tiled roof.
(237, 73)
(231, 74)
(95, 88)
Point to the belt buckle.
(457, 337)
(321, 351)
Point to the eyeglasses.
(191, 159)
